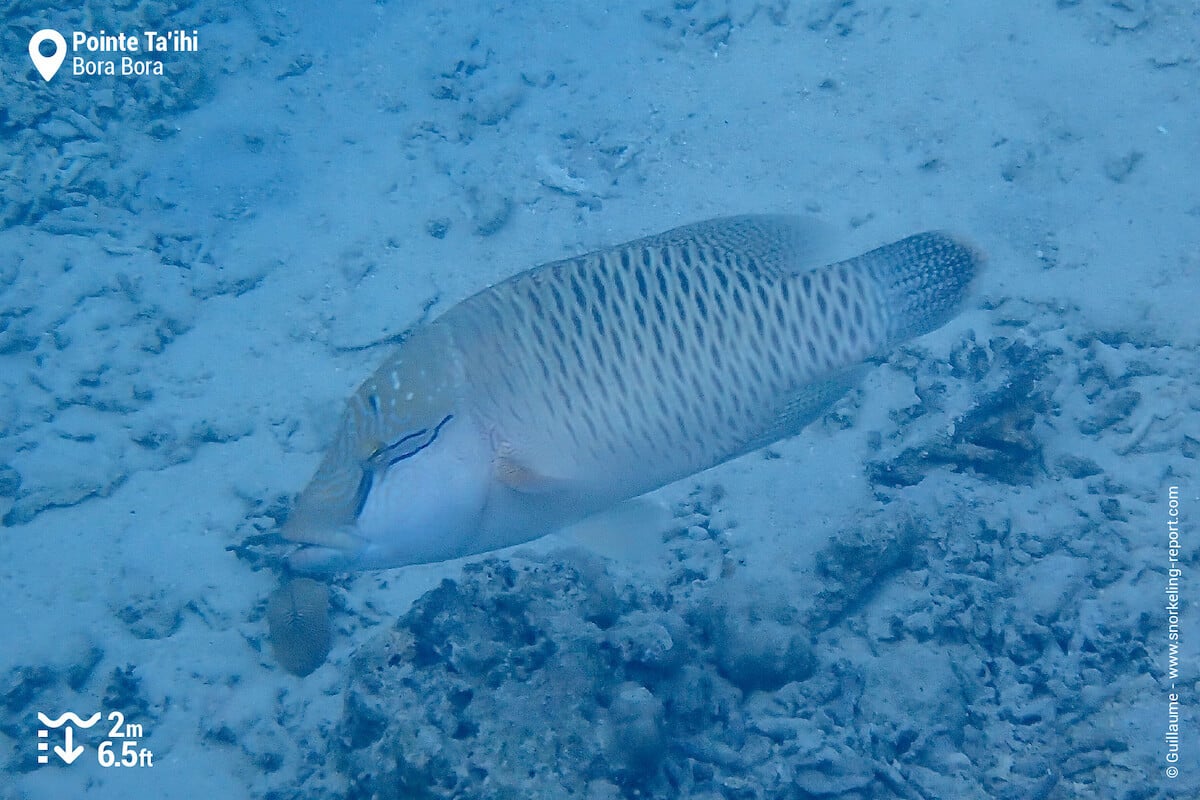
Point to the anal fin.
(630, 532)
(804, 408)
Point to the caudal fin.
(925, 279)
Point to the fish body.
(575, 385)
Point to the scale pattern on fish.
(575, 385)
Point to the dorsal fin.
(769, 244)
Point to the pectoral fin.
(522, 478)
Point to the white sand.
(177, 343)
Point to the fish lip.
(325, 549)
(318, 560)
(339, 537)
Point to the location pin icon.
(47, 65)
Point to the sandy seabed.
(956, 584)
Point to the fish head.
(406, 479)
(421, 501)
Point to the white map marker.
(47, 65)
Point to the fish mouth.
(311, 559)
(324, 549)
(316, 533)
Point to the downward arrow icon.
(69, 753)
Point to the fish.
(574, 386)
